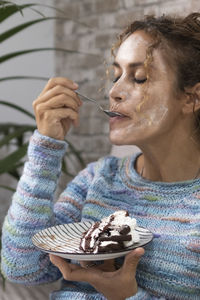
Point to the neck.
(170, 161)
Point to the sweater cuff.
(46, 150)
(48, 143)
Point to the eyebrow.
(131, 65)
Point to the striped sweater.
(170, 267)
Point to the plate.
(64, 240)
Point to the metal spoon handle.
(89, 99)
(111, 114)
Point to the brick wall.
(92, 31)
(95, 25)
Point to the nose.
(116, 94)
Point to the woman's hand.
(113, 284)
(57, 107)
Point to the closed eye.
(115, 80)
(140, 81)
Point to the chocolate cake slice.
(115, 232)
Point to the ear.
(192, 99)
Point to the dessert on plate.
(112, 233)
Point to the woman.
(157, 89)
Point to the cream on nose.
(118, 94)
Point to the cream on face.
(146, 104)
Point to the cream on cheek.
(116, 105)
(146, 105)
(142, 125)
(151, 110)
(145, 115)
(153, 105)
(152, 117)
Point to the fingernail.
(75, 85)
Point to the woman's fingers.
(131, 261)
(56, 122)
(87, 264)
(60, 101)
(108, 283)
(56, 115)
(73, 272)
(55, 91)
(61, 264)
(83, 273)
(59, 81)
(106, 265)
(57, 108)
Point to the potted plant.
(13, 135)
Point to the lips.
(118, 119)
(119, 112)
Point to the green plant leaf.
(23, 77)
(15, 173)
(7, 127)
(8, 56)
(76, 153)
(9, 33)
(9, 163)
(7, 9)
(64, 169)
(5, 2)
(17, 107)
(3, 278)
(15, 134)
(7, 188)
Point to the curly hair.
(179, 39)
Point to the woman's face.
(147, 101)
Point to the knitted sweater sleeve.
(32, 209)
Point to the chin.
(125, 139)
(117, 140)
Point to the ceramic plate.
(64, 240)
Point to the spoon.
(111, 114)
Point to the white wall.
(23, 92)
